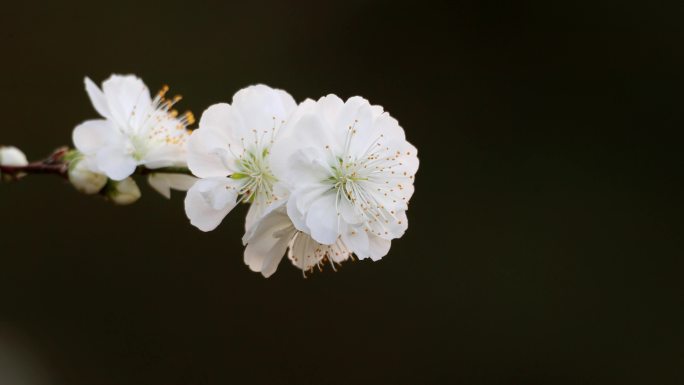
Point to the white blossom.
(230, 151)
(350, 171)
(135, 130)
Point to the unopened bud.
(124, 192)
(12, 156)
(85, 180)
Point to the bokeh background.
(545, 239)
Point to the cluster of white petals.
(135, 130)
(326, 179)
(230, 153)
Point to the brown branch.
(36, 168)
(56, 164)
(53, 164)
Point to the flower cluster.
(135, 130)
(325, 179)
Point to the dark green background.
(545, 234)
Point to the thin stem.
(36, 168)
(56, 164)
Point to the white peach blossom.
(230, 153)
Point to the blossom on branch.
(135, 130)
(230, 153)
(350, 172)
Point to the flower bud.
(85, 180)
(124, 192)
(11, 156)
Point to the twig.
(36, 168)
(56, 164)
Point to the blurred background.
(544, 244)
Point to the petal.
(306, 196)
(389, 127)
(306, 166)
(296, 216)
(311, 133)
(338, 252)
(306, 107)
(323, 220)
(115, 163)
(208, 154)
(365, 136)
(97, 97)
(349, 212)
(166, 155)
(330, 106)
(208, 201)
(255, 212)
(357, 241)
(268, 242)
(126, 94)
(163, 183)
(227, 126)
(276, 206)
(262, 107)
(349, 112)
(180, 182)
(396, 226)
(305, 252)
(92, 135)
(378, 247)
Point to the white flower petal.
(115, 163)
(329, 107)
(305, 196)
(323, 220)
(378, 247)
(165, 155)
(357, 241)
(303, 252)
(92, 135)
(255, 212)
(209, 200)
(310, 138)
(307, 166)
(164, 182)
(268, 242)
(296, 216)
(97, 97)
(262, 108)
(208, 152)
(349, 113)
(126, 94)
